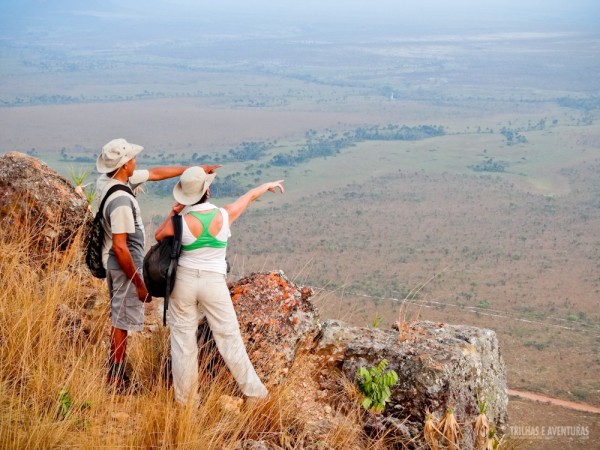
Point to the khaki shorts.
(126, 310)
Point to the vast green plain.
(494, 222)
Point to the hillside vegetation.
(53, 367)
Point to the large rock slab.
(276, 318)
(440, 366)
(35, 198)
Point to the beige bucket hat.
(192, 185)
(116, 153)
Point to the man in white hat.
(123, 251)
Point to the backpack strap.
(178, 229)
(175, 252)
(112, 190)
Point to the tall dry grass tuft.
(347, 431)
(450, 429)
(431, 433)
(52, 375)
(481, 427)
(37, 361)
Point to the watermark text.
(549, 432)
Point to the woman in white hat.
(201, 287)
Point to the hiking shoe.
(126, 388)
(120, 381)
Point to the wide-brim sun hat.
(116, 153)
(192, 185)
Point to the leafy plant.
(375, 383)
(64, 403)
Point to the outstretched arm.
(162, 173)
(236, 208)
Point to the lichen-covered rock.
(439, 366)
(276, 318)
(35, 198)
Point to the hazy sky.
(381, 8)
(447, 15)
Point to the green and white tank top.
(205, 252)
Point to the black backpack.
(160, 265)
(93, 253)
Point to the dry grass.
(52, 377)
(482, 427)
(450, 430)
(431, 433)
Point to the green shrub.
(375, 384)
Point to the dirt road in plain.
(555, 401)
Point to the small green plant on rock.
(376, 321)
(375, 383)
(78, 178)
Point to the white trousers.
(197, 294)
